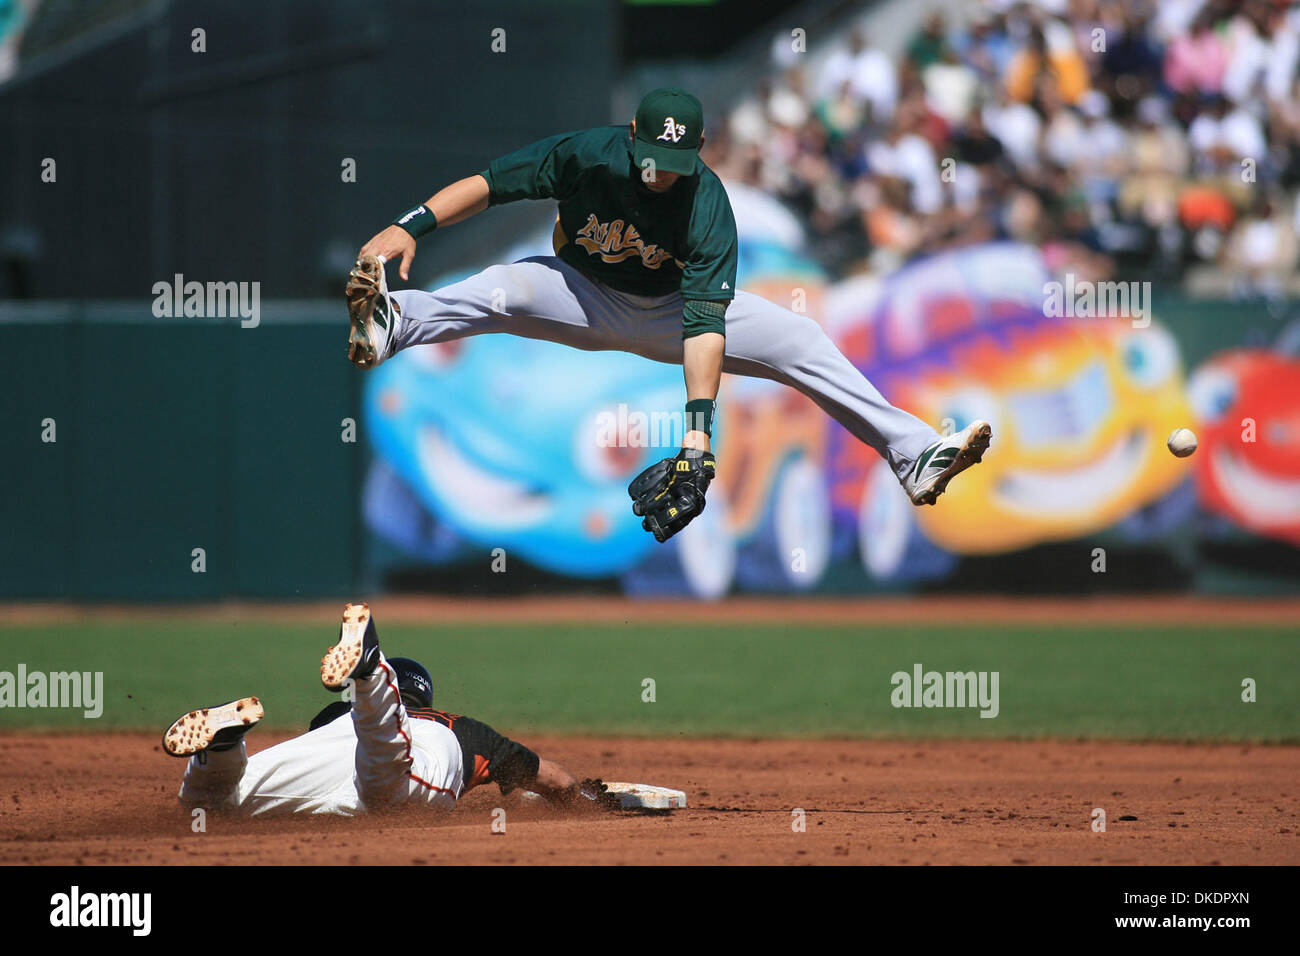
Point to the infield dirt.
(111, 799)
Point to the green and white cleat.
(373, 313)
(944, 460)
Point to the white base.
(642, 796)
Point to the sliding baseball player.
(645, 262)
(389, 748)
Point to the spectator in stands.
(870, 76)
(907, 155)
(1261, 251)
(1038, 57)
(974, 144)
(1130, 68)
(1249, 50)
(1196, 61)
(1016, 126)
(842, 114)
(928, 45)
(1160, 162)
(950, 87)
(1222, 136)
(986, 49)
(1110, 132)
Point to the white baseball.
(1182, 442)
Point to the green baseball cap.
(669, 124)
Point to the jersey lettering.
(616, 241)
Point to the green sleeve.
(710, 271)
(539, 170)
(700, 317)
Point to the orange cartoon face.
(1247, 404)
(1080, 413)
(767, 424)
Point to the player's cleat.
(373, 313)
(213, 728)
(357, 652)
(945, 459)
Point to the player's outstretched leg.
(373, 313)
(767, 341)
(213, 740)
(540, 297)
(389, 768)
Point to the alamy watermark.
(624, 428)
(56, 689)
(922, 688)
(75, 908)
(177, 299)
(1084, 299)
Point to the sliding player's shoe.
(213, 728)
(357, 652)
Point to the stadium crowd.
(1129, 139)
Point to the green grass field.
(710, 680)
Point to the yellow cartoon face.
(1080, 413)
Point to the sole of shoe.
(971, 453)
(342, 659)
(363, 289)
(201, 729)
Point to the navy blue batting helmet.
(413, 682)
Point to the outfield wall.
(176, 435)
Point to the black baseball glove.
(670, 493)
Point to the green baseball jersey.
(614, 230)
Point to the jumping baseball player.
(645, 262)
(395, 750)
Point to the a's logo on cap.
(672, 130)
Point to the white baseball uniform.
(378, 758)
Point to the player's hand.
(670, 493)
(392, 243)
(593, 794)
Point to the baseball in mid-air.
(1182, 442)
